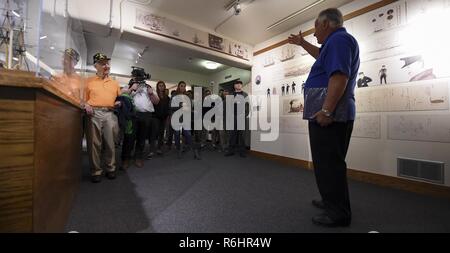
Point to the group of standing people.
(137, 115)
(329, 109)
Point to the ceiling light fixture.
(43, 37)
(294, 14)
(15, 13)
(237, 8)
(211, 65)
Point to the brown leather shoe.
(139, 163)
(126, 164)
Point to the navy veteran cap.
(72, 53)
(100, 57)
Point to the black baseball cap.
(100, 57)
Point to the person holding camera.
(146, 122)
(102, 126)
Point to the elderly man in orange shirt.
(102, 126)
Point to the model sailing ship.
(287, 54)
(269, 61)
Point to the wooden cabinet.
(40, 154)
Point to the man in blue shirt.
(330, 110)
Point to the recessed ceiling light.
(211, 65)
(52, 48)
(43, 37)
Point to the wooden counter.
(40, 154)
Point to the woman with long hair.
(181, 90)
(162, 110)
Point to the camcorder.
(138, 76)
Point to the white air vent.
(430, 171)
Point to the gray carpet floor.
(238, 195)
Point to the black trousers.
(128, 146)
(161, 130)
(383, 76)
(237, 138)
(237, 141)
(146, 128)
(329, 147)
(170, 132)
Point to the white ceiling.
(250, 26)
(162, 55)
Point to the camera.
(237, 9)
(139, 76)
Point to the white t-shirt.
(142, 99)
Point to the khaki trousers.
(102, 132)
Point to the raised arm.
(300, 41)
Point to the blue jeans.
(187, 137)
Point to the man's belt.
(103, 108)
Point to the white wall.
(372, 155)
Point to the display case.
(43, 56)
(40, 36)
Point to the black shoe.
(111, 175)
(150, 155)
(229, 154)
(96, 179)
(318, 203)
(326, 221)
(197, 154)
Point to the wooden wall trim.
(369, 177)
(283, 160)
(346, 17)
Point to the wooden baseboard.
(368, 177)
(284, 160)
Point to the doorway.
(229, 86)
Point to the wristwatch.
(326, 112)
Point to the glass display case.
(40, 36)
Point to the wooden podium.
(40, 153)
